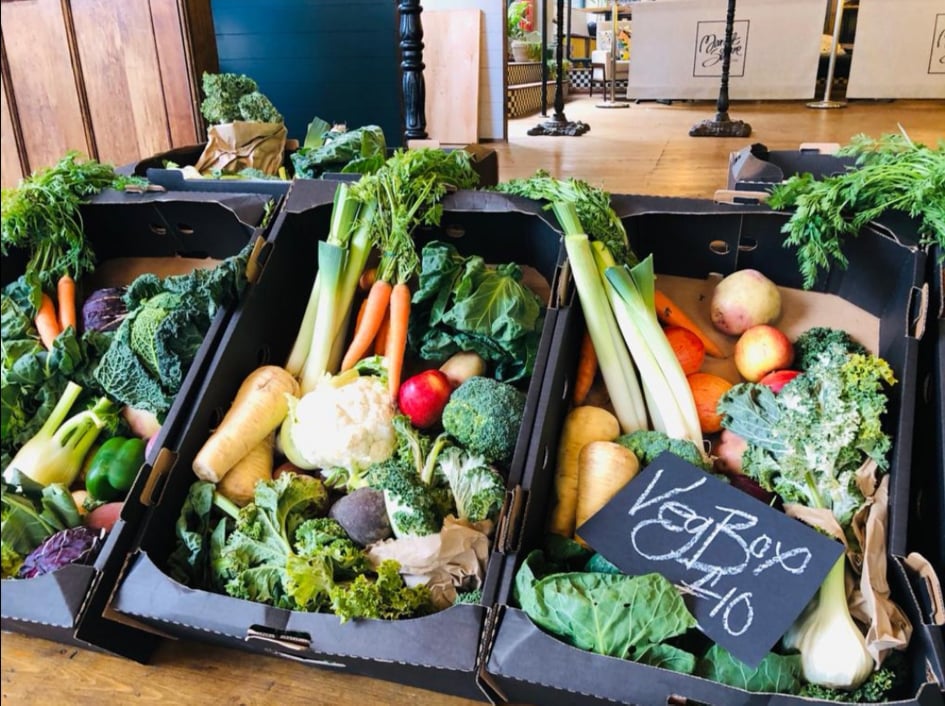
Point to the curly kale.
(823, 341)
(382, 597)
(230, 97)
(807, 442)
(881, 686)
(648, 444)
(484, 416)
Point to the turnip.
(744, 299)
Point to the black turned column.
(411, 66)
(722, 126)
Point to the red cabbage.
(68, 546)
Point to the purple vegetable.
(104, 309)
(67, 546)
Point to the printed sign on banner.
(710, 42)
(900, 59)
(746, 569)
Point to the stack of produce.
(365, 475)
(87, 380)
(796, 423)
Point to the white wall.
(491, 61)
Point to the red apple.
(777, 379)
(762, 349)
(423, 397)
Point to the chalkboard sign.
(746, 569)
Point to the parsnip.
(604, 467)
(239, 484)
(582, 425)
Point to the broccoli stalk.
(56, 452)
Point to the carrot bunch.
(49, 321)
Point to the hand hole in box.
(158, 229)
(196, 254)
(455, 232)
(185, 229)
(719, 247)
(566, 389)
(747, 244)
(544, 459)
(263, 355)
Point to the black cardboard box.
(485, 162)
(693, 239)
(437, 652)
(69, 605)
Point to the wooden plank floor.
(645, 149)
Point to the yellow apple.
(761, 349)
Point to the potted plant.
(524, 45)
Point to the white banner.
(677, 49)
(899, 50)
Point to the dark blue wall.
(335, 59)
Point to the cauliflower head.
(340, 424)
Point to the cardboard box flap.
(52, 599)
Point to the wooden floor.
(644, 148)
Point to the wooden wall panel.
(10, 168)
(122, 79)
(43, 81)
(176, 81)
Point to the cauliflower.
(344, 422)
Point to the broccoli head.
(484, 416)
(478, 490)
(648, 444)
(823, 341)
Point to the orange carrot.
(380, 341)
(586, 369)
(397, 336)
(377, 301)
(670, 314)
(47, 323)
(65, 293)
(367, 278)
(360, 316)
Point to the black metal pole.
(722, 126)
(559, 125)
(411, 65)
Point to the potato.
(744, 299)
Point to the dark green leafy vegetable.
(230, 97)
(383, 597)
(807, 442)
(41, 215)
(149, 355)
(884, 684)
(30, 515)
(775, 673)
(462, 304)
(326, 149)
(629, 617)
(591, 203)
(891, 173)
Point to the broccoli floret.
(411, 508)
(823, 341)
(648, 444)
(484, 416)
(478, 490)
(255, 107)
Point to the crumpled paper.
(888, 628)
(234, 146)
(451, 560)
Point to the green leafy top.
(41, 215)
(231, 96)
(891, 173)
(592, 204)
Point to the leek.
(616, 367)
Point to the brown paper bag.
(238, 145)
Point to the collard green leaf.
(776, 673)
(610, 614)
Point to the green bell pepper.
(114, 467)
